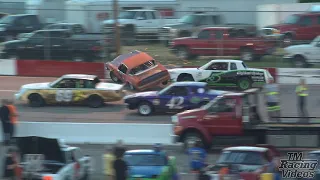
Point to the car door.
(204, 43)
(152, 22)
(305, 31)
(143, 23)
(221, 118)
(63, 91)
(175, 99)
(216, 70)
(315, 52)
(34, 47)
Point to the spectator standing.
(13, 115)
(119, 149)
(120, 168)
(10, 165)
(302, 93)
(5, 119)
(108, 159)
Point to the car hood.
(50, 148)
(193, 113)
(44, 85)
(13, 42)
(180, 70)
(184, 39)
(298, 47)
(109, 86)
(142, 94)
(145, 171)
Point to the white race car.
(224, 73)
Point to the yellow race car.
(71, 89)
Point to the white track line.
(3, 90)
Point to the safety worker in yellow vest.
(108, 159)
(273, 101)
(302, 93)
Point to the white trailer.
(92, 13)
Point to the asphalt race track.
(96, 152)
(117, 112)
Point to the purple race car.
(177, 97)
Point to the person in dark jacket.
(5, 119)
(119, 149)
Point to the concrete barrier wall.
(98, 133)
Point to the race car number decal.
(175, 103)
(64, 96)
(213, 78)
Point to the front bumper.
(175, 138)
(17, 96)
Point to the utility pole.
(116, 27)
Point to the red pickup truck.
(221, 41)
(299, 27)
(240, 119)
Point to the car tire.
(36, 100)
(114, 78)
(247, 54)
(95, 101)
(183, 53)
(299, 62)
(145, 109)
(244, 83)
(186, 77)
(192, 137)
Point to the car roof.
(143, 10)
(143, 151)
(132, 59)
(20, 15)
(246, 148)
(198, 84)
(226, 60)
(211, 28)
(234, 94)
(79, 76)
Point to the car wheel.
(35, 100)
(114, 78)
(183, 53)
(94, 101)
(191, 138)
(244, 84)
(247, 54)
(145, 109)
(185, 78)
(299, 62)
(78, 58)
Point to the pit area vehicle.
(241, 118)
(146, 164)
(46, 158)
(71, 89)
(243, 162)
(224, 73)
(177, 97)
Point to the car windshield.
(55, 82)
(241, 157)
(143, 67)
(204, 67)
(292, 19)
(165, 89)
(145, 159)
(127, 15)
(7, 20)
(316, 40)
(188, 19)
(212, 103)
(244, 65)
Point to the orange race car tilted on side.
(138, 70)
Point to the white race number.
(175, 103)
(64, 96)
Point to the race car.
(138, 70)
(71, 89)
(46, 158)
(243, 162)
(224, 73)
(147, 164)
(176, 97)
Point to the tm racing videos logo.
(297, 167)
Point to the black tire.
(183, 53)
(186, 77)
(36, 100)
(95, 101)
(247, 54)
(145, 109)
(190, 137)
(244, 83)
(114, 77)
(299, 62)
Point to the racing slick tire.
(36, 100)
(244, 83)
(247, 54)
(145, 109)
(94, 101)
(114, 77)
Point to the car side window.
(233, 66)
(220, 66)
(89, 84)
(150, 15)
(204, 20)
(223, 105)
(177, 91)
(37, 38)
(77, 154)
(306, 21)
(205, 34)
(143, 15)
(66, 83)
(25, 21)
(122, 68)
(219, 35)
(68, 156)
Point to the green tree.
(309, 1)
